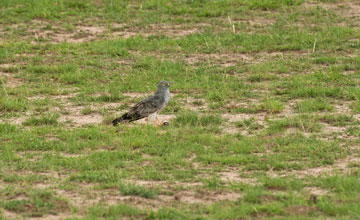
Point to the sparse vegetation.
(264, 116)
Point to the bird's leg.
(158, 120)
(152, 120)
(155, 124)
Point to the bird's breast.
(167, 96)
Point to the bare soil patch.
(63, 98)
(229, 59)
(225, 60)
(255, 21)
(79, 119)
(341, 166)
(348, 9)
(91, 197)
(343, 108)
(316, 191)
(9, 80)
(55, 217)
(259, 118)
(300, 210)
(78, 199)
(176, 30)
(8, 215)
(170, 30)
(81, 34)
(70, 113)
(195, 104)
(136, 94)
(232, 176)
(230, 127)
(16, 120)
(328, 129)
(39, 31)
(191, 197)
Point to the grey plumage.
(148, 107)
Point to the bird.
(149, 107)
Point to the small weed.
(355, 106)
(97, 177)
(100, 211)
(249, 124)
(134, 190)
(303, 123)
(39, 203)
(86, 111)
(213, 183)
(8, 104)
(50, 119)
(313, 105)
(337, 120)
(282, 184)
(272, 106)
(191, 118)
(271, 4)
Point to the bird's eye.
(164, 84)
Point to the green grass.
(313, 106)
(43, 120)
(38, 204)
(263, 117)
(192, 119)
(131, 189)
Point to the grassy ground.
(264, 116)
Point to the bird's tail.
(124, 118)
(127, 117)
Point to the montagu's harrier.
(149, 107)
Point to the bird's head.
(163, 85)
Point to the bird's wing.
(147, 106)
